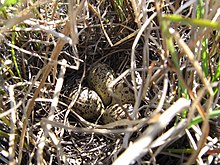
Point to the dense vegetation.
(167, 51)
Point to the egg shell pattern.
(100, 76)
(115, 112)
(88, 105)
(124, 93)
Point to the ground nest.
(157, 47)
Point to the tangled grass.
(167, 51)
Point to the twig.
(12, 144)
(30, 106)
(47, 128)
(141, 144)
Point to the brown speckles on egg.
(99, 77)
(115, 112)
(124, 93)
(88, 105)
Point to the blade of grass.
(7, 3)
(217, 72)
(120, 8)
(174, 56)
(13, 55)
(192, 21)
(216, 76)
(4, 134)
(200, 14)
(198, 119)
(200, 9)
(180, 151)
(205, 59)
(7, 67)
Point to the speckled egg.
(124, 93)
(115, 112)
(88, 104)
(99, 77)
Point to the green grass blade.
(13, 55)
(192, 21)
(120, 7)
(200, 9)
(180, 151)
(216, 76)
(174, 56)
(205, 60)
(198, 119)
(217, 72)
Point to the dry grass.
(171, 62)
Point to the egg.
(124, 94)
(88, 104)
(99, 77)
(115, 112)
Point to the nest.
(47, 49)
